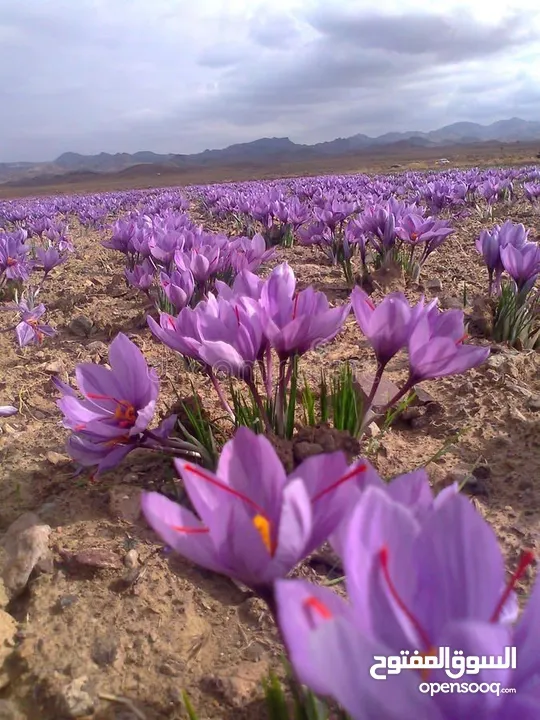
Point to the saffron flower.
(414, 587)
(436, 347)
(387, 326)
(295, 322)
(414, 228)
(255, 523)
(30, 330)
(178, 287)
(522, 263)
(232, 341)
(142, 275)
(7, 410)
(245, 284)
(49, 258)
(117, 406)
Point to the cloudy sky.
(185, 75)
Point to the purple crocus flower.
(117, 405)
(413, 228)
(256, 523)
(202, 262)
(532, 191)
(387, 326)
(163, 244)
(512, 234)
(182, 333)
(14, 256)
(412, 490)
(295, 322)
(178, 287)
(245, 284)
(49, 258)
(142, 275)
(249, 253)
(414, 587)
(30, 330)
(489, 247)
(436, 346)
(522, 263)
(232, 341)
(7, 410)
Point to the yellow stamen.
(263, 527)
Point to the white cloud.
(181, 76)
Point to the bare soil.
(135, 632)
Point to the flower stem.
(260, 406)
(400, 393)
(221, 396)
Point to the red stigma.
(222, 486)
(461, 339)
(79, 427)
(370, 303)
(349, 476)
(236, 312)
(171, 323)
(316, 606)
(190, 530)
(124, 413)
(527, 558)
(11, 262)
(414, 236)
(383, 559)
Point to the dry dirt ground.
(117, 627)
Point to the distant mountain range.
(266, 150)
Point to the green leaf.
(192, 715)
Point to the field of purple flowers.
(207, 392)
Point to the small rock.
(465, 389)
(65, 602)
(435, 285)
(422, 397)
(385, 392)
(55, 368)
(81, 325)
(26, 543)
(131, 559)
(104, 650)
(56, 458)
(534, 403)
(75, 701)
(373, 430)
(97, 558)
